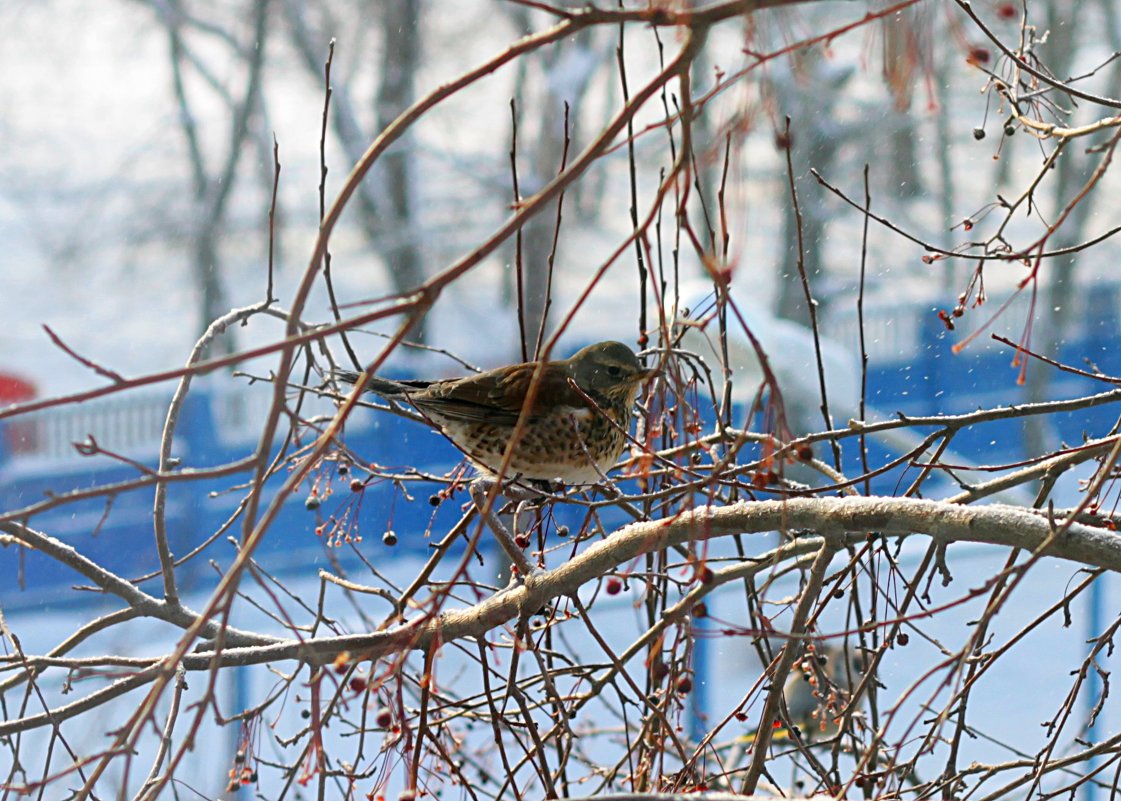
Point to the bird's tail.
(379, 386)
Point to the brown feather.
(498, 396)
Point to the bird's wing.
(497, 396)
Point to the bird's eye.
(615, 371)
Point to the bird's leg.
(521, 538)
(532, 490)
(480, 490)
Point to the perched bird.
(817, 694)
(819, 688)
(574, 430)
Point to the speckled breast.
(576, 446)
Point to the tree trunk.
(400, 24)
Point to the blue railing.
(913, 370)
(38, 459)
(40, 462)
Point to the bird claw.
(530, 490)
(480, 494)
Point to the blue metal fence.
(40, 463)
(912, 370)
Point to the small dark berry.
(562, 531)
(389, 538)
(522, 541)
(358, 684)
(434, 499)
(978, 133)
(356, 485)
(344, 468)
(700, 610)
(384, 718)
(903, 638)
(1009, 129)
(613, 586)
(312, 502)
(685, 685)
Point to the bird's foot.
(480, 490)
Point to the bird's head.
(610, 369)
